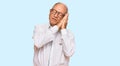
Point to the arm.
(68, 38)
(35, 58)
(42, 37)
(68, 42)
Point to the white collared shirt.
(54, 48)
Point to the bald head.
(61, 6)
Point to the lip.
(54, 19)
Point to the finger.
(66, 16)
(66, 20)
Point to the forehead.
(60, 8)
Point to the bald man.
(53, 43)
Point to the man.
(53, 43)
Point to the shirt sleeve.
(42, 36)
(68, 42)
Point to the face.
(56, 14)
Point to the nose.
(56, 15)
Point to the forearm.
(46, 37)
(68, 43)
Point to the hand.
(63, 23)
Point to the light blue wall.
(95, 24)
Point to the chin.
(53, 23)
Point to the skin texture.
(55, 19)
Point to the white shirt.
(54, 48)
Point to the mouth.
(54, 19)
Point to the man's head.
(57, 12)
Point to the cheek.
(59, 20)
(49, 16)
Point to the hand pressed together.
(63, 23)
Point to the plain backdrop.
(95, 24)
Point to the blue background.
(95, 24)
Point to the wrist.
(63, 27)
